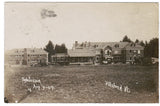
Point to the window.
(116, 45)
(97, 58)
(97, 52)
(107, 52)
(139, 52)
(116, 52)
(130, 51)
(130, 58)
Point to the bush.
(147, 61)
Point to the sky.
(25, 27)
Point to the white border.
(2, 43)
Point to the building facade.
(60, 58)
(112, 52)
(81, 56)
(26, 56)
(133, 51)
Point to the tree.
(137, 41)
(126, 39)
(50, 49)
(57, 48)
(142, 43)
(63, 48)
(101, 56)
(60, 48)
(146, 49)
(151, 48)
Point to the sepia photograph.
(81, 52)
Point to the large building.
(26, 56)
(81, 56)
(107, 52)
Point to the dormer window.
(133, 44)
(116, 45)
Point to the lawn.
(82, 84)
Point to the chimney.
(76, 43)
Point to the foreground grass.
(83, 84)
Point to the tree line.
(51, 49)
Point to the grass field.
(83, 84)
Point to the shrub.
(147, 61)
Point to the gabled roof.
(102, 45)
(111, 44)
(36, 51)
(81, 53)
(29, 51)
(60, 55)
(15, 51)
(133, 46)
